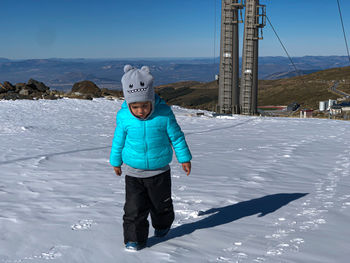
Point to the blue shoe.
(135, 246)
(161, 232)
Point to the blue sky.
(159, 28)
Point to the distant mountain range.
(63, 73)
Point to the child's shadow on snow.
(223, 215)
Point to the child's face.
(141, 109)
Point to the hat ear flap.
(145, 68)
(127, 68)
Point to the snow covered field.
(261, 189)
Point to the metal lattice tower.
(235, 98)
(254, 19)
(229, 57)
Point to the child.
(145, 134)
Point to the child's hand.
(118, 171)
(187, 167)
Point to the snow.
(261, 189)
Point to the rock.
(105, 92)
(87, 87)
(40, 86)
(50, 97)
(36, 94)
(78, 95)
(87, 97)
(19, 87)
(57, 94)
(7, 86)
(111, 93)
(10, 96)
(25, 97)
(29, 91)
(2, 89)
(24, 92)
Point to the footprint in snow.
(83, 225)
(53, 253)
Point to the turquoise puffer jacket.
(147, 144)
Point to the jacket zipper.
(146, 156)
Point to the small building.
(331, 103)
(306, 113)
(293, 106)
(336, 110)
(323, 105)
(340, 108)
(346, 109)
(344, 104)
(326, 105)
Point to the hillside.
(190, 94)
(307, 90)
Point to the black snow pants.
(144, 196)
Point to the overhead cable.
(284, 48)
(214, 32)
(342, 24)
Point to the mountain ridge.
(64, 71)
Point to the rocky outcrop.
(78, 95)
(31, 90)
(88, 90)
(6, 87)
(37, 85)
(87, 87)
(111, 93)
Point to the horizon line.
(156, 58)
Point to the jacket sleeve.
(177, 139)
(118, 144)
